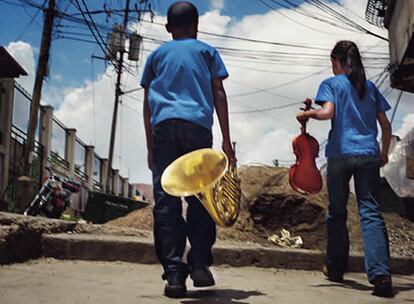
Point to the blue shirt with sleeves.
(178, 75)
(354, 125)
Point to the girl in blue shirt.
(354, 105)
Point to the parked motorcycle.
(53, 197)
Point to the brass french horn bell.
(207, 174)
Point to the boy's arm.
(147, 125)
(220, 103)
(386, 136)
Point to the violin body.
(304, 176)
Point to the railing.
(21, 109)
(97, 170)
(97, 186)
(17, 151)
(58, 148)
(120, 186)
(58, 144)
(80, 159)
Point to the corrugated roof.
(9, 67)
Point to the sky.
(262, 76)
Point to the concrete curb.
(139, 250)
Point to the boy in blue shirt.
(183, 82)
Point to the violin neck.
(303, 127)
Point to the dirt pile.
(272, 205)
(20, 236)
(269, 205)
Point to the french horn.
(208, 175)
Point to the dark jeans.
(365, 170)
(171, 139)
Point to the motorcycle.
(53, 197)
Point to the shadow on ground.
(399, 288)
(222, 296)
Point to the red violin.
(304, 176)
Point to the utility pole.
(37, 90)
(118, 92)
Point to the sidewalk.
(23, 238)
(51, 281)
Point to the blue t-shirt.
(179, 75)
(354, 125)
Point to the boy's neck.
(177, 36)
(184, 33)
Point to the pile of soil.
(269, 205)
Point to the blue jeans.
(365, 170)
(172, 139)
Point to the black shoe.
(383, 286)
(202, 277)
(336, 277)
(175, 286)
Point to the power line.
(32, 19)
(268, 109)
(77, 5)
(279, 85)
(293, 20)
(342, 18)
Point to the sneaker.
(202, 277)
(383, 286)
(175, 286)
(336, 277)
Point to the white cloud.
(261, 137)
(24, 55)
(216, 4)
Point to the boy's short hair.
(182, 14)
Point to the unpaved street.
(50, 281)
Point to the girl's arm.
(326, 112)
(386, 136)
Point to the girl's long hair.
(348, 55)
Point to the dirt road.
(50, 281)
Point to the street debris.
(286, 239)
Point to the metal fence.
(17, 150)
(97, 172)
(80, 159)
(21, 109)
(58, 144)
(21, 113)
(120, 186)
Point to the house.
(398, 17)
(9, 70)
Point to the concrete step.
(141, 250)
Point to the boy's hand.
(229, 151)
(149, 159)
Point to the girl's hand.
(384, 159)
(302, 117)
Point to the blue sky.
(87, 105)
(71, 60)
